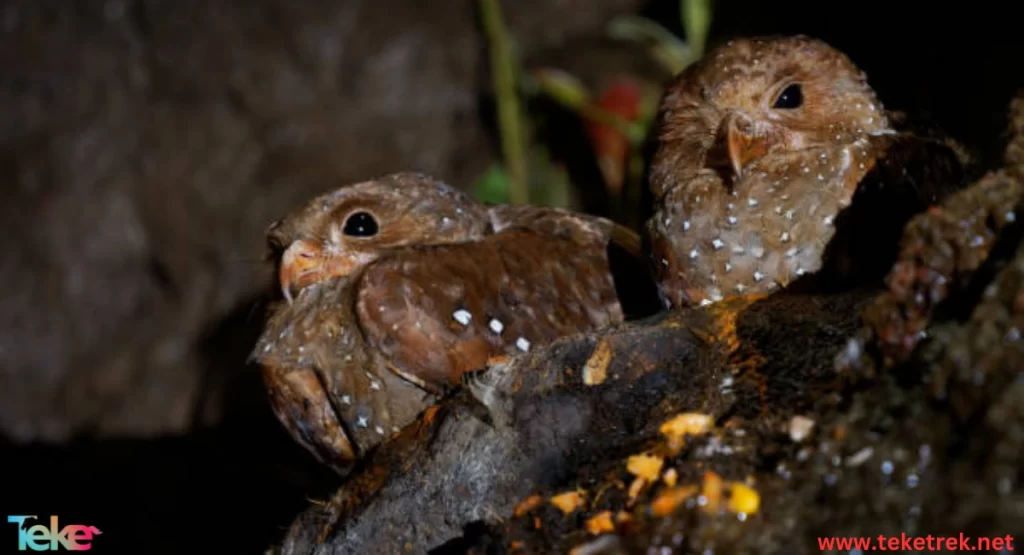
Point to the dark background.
(125, 402)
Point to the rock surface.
(147, 144)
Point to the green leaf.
(696, 22)
(562, 87)
(670, 51)
(492, 185)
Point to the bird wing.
(581, 228)
(629, 264)
(436, 312)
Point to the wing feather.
(437, 312)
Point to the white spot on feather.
(462, 316)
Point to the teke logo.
(74, 537)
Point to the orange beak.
(305, 262)
(737, 144)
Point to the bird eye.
(360, 224)
(792, 97)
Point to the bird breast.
(759, 233)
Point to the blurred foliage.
(505, 70)
(669, 50)
(617, 118)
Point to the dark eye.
(792, 97)
(360, 224)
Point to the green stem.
(696, 21)
(510, 122)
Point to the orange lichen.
(645, 466)
(528, 504)
(595, 371)
(723, 325)
(669, 500)
(677, 428)
(743, 499)
(634, 490)
(569, 501)
(712, 491)
(670, 477)
(600, 523)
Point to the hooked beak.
(737, 144)
(306, 262)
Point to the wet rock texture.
(145, 145)
(753, 426)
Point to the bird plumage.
(761, 145)
(441, 285)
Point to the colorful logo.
(73, 537)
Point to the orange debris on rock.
(669, 500)
(595, 371)
(528, 504)
(724, 314)
(634, 491)
(569, 501)
(644, 466)
(600, 523)
(677, 428)
(712, 491)
(743, 499)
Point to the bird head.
(754, 97)
(339, 233)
